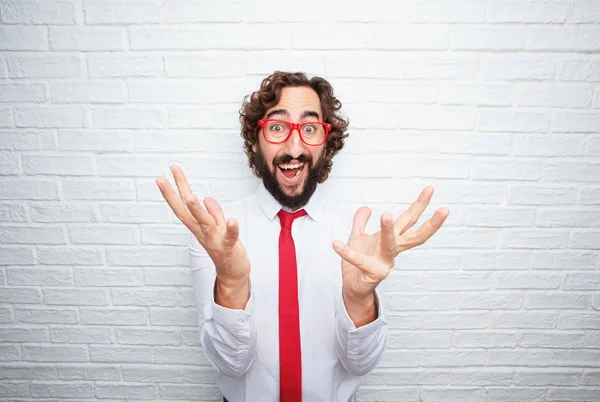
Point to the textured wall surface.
(494, 102)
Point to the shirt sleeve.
(227, 335)
(360, 349)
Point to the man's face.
(291, 170)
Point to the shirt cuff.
(228, 317)
(365, 330)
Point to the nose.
(294, 146)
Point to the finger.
(388, 236)
(176, 204)
(214, 209)
(425, 231)
(182, 185)
(232, 233)
(416, 208)
(354, 258)
(361, 217)
(199, 213)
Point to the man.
(282, 316)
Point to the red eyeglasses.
(279, 131)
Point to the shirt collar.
(270, 206)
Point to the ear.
(254, 147)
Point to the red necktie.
(290, 362)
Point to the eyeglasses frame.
(297, 127)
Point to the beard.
(315, 175)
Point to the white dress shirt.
(243, 345)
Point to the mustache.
(288, 158)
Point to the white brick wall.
(495, 102)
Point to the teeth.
(291, 166)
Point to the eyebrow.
(285, 113)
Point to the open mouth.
(291, 171)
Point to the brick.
(467, 37)
(516, 394)
(6, 117)
(568, 218)
(76, 297)
(69, 256)
(143, 257)
(416, 302)
(46, 276)
(518, 357)
(213, 91)
(5, 315)
(521, 280)
(23, 38)
(17, 256)
(550, 376)
(103, 234)
(570, 38)
(20, 295)
(200, 375)
(533, 195)
(115, 65)
(50, 117)
(38, 12)
(62, 390)
(445, 119)
(486, 260)
(128, 117)
(443, 358)
(144, 297)
(517, 67)
(581, 281)
(207, 392)
(180, 355)
(489, 301)
(585, 240)
(144, 392)
(492, 144)
(487, 339)
(584, 11)
(23, 93)
(572, 145)
(157, 374)
(147, 337)
(58, 165)
(425, 37)
(589, 195)
(591, 378)
(55, 354)
(452, 281)
(81, 335)
(406, 377)
(576, 122)
(554, 95)
(552, 340)
(210, 36)
(499, 217)
(488, 94)
(180, 317)
(9, 353)
(527, 320)
(108, 277)
(122, 316)
(167, 277)
(9, 163)
(547, 12)
(35, 65)
(117, 354)
(428, 260)
(171, 141)
(564, 260)
(455, 320)
(63, 212)
(95, 91)
(579, 321)
(192, 337)
(87, 39)
(572, 394)
(592, 147)
(571, 171)
(211, 11)
(11, 389)
(29, 334)
(580, 70)
(136, 166)
(98, 189)
(479, 376)
(27, 140)
(535, 239)
(510, 121)
(24, 372)
(117, 13)
(560, 300)
(576, 358)
(46, 316)
(202, 117)
(89, 373)
(203, 66)
(404, 394)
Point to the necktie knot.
(286, 218)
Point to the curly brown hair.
(256, 104)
